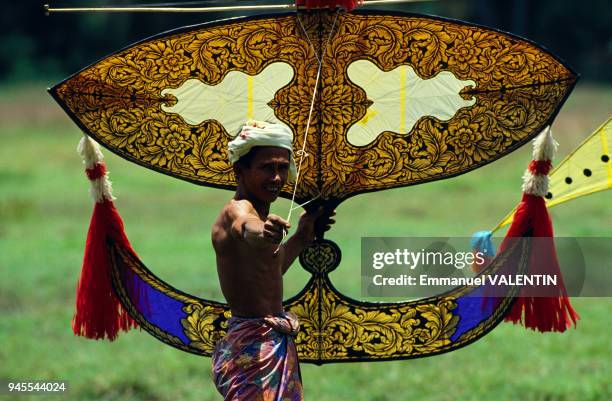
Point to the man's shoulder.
(231, 212)
(238, 208)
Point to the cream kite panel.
(400, 98)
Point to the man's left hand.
(308, 222)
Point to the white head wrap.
(260, 133)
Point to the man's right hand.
(274, 228)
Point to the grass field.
(44, 214)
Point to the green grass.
(44, 214)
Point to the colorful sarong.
(257, 360)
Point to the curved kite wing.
(402, 99)
(333, 327)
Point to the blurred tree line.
(38, 47)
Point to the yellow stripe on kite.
(249, 97)
(402, 102)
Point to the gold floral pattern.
(519, 88)
(199, 326)
(119, 100)
(321, 257)
(334, 328)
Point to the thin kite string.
(308, 37)
(302, 153)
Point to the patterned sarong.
(257, 360)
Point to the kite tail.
(348, 5)
(99, 314)
(544, 313)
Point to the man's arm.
(293, 247)
(247, 226)
(244, 224)
(249, 229)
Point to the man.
(257, 359)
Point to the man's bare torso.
(251, 278)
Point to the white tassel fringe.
(535, 184)
(544, 148)
(544, 145)
(90, 152)
(101, 188)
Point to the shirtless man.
(257, 359)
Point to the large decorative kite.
(375, 100)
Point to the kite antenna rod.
(50, 10)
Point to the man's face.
(263, 179)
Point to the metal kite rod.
(49, 10)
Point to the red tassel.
(99, 313)
(540, 167)
(97, 171)
(348, 5)
(553, 313)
